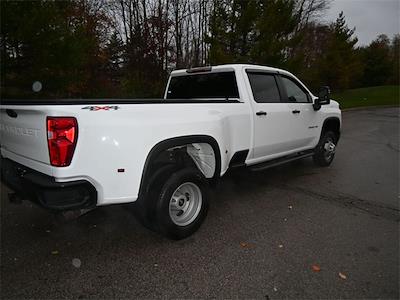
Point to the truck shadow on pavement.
(263, 233)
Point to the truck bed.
(110, 101)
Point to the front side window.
(294, 92)
(212, 85)
(264, 87)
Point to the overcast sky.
(370, 17)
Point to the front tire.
(182, 204)
(325, 150)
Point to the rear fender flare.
(176, 142)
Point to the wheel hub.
(185, 204)
(329, 148)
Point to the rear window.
(211, 85)
(264, 87)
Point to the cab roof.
(226, 67)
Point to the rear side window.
(264, 87)
(212, 85)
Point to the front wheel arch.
(332, 124)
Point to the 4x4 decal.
(96, 108)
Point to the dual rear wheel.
(177, 203)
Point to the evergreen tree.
(395, 57)
(228, 29)
(340, 65)
(274, 29)
(377, 62)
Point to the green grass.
(371, 96)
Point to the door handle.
(295, 111)
(261, 113)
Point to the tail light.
(62, 134)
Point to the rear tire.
(325, 150)
(144, 208)
(182, 204)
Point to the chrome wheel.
(185, 204)
(329, 149)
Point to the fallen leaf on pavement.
(316, 268)
(246, 245)
(343, 276)
(76, 262)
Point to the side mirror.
(323, 97)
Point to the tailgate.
(23, 132)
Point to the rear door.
(273, 132)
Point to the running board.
(281, 160)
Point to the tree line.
(127, 48)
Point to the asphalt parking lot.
(286, 232)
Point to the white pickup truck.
(162, 154)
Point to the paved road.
(262, 236)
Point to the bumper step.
(43, 189)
